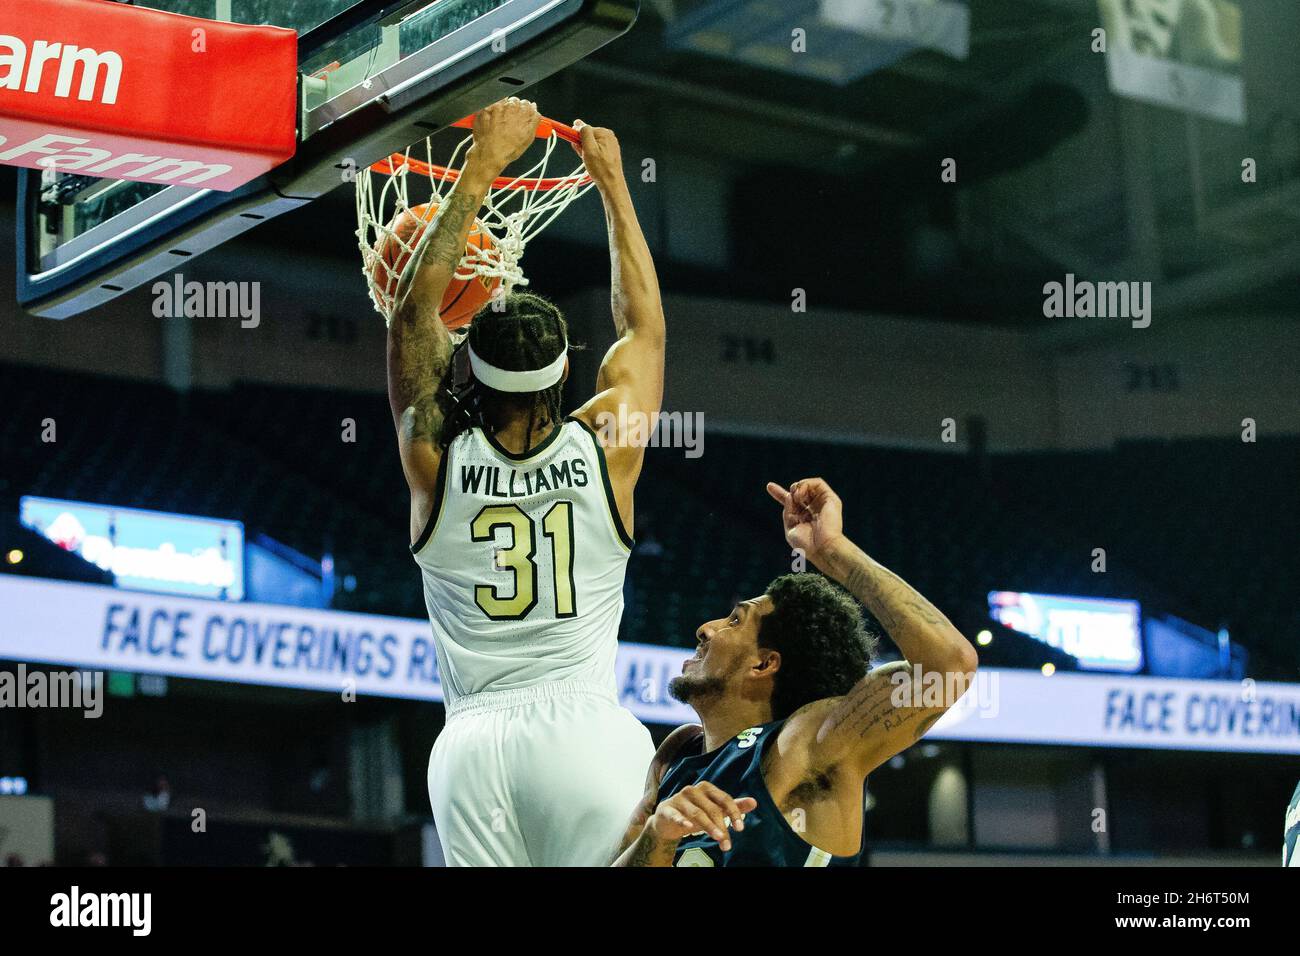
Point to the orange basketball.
(464, 297)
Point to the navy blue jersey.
(1291, 832)
(736, 768)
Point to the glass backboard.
(375, 76)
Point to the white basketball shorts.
(541, 776)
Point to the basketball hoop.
(515, 210)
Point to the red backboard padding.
(84, 84)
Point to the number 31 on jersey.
(519, 559)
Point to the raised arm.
(632, 373)
(882, 715)
(419, 346)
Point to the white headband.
(503, 380)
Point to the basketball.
(463, 298)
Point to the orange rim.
(446, 174)
(544, 129)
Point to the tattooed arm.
(894, 705)
(664, 756)
(419, 347)
(698, 807)
(631, 376)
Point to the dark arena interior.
(1027, 305)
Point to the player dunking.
(520, 524)
(793, 721)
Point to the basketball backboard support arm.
(499, 53)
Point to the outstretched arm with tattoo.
(419, 346)
(881, 715)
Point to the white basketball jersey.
(523, 562)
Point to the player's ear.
(565, 377)
(769, 661)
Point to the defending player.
(520, 523)
(793, 721)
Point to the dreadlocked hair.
(519, 333)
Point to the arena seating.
(274, 457)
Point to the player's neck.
(726, 719)
(514, 436)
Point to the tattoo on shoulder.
(871, 708)
(418, 384)
(423, 418)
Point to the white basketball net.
(512, 215)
